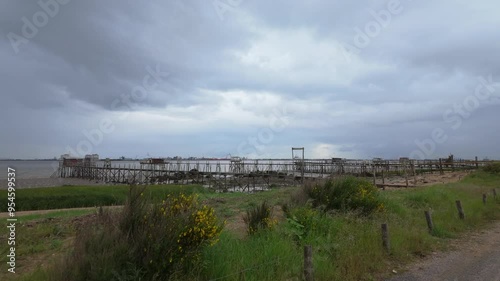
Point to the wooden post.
(461, 213)
(428, 217)
(406, 175)
(495, 193)
(477, 164)
(385, 238)
(441, 167)
(414, 174)
(374, 175)
(484, 198)
(129, 178)
(139, 175)
(383, 179)
(308, 264)
(119, 173)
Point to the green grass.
(230, 205)
(347, 246)
(85, 196)
(265, 256)
(38, 239)
(56, 214)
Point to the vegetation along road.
(243, 238)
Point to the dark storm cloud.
(100, 50)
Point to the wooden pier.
(258, 174)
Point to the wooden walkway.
(254, 174)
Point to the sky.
(250, 78)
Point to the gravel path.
(475, 257)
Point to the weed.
(259, 217)
(346, 194)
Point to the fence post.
(406, 175)
(385, 238)
(428, 217)
(484, 198)
(308, 264)
(414, 174)
(383, 179)
(374, 172)
(495, 193)
(461, 213)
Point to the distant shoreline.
(29, 160)
(59, 159)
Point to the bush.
(301, 221)
(143, 242)
(259, 217)
(173, 233)
(492, 168)
(345, 194)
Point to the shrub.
(143, 242)
(300, 221)
(259, 217)
(346, 194)
(492, 168)
(173, 233)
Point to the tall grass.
(263, 256)
(347, 246)
(258, 218)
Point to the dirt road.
(476, 257)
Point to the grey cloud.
(395, 91)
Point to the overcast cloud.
(353, 79)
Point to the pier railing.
(261, 173)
